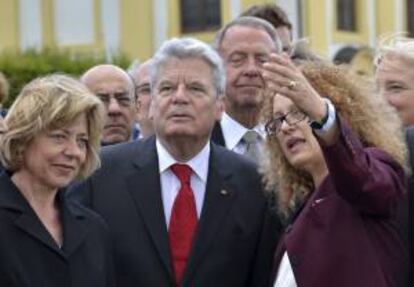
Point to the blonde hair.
(49, 103)
(369, 116)
(394, 44)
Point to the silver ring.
(292, 84)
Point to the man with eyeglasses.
(140, 73)
(116, 90)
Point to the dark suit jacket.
(235, 237)
(346, 234)
(30, 257)
(410, 144)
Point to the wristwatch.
(328, 120)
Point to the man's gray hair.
(188, 48)
(394, 44)
(252, 22)
(133, 69)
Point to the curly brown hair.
(368, 115)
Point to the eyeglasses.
(142, 90)
(122, 98)
(293, 117)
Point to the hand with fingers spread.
(283, 77)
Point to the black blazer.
(235, 239)
(30, 257)
(410, 144)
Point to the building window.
(70, 32)
(410, 17)
(200, 15)
(346, 15)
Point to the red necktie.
(183, 222)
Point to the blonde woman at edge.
(51, 136)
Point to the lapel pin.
(224, 192)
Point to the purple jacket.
(346, 234)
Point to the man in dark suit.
(244, 44)
(208, 227)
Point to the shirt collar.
(233, 131)
(199, 163)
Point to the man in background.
(140, 73)
(244, 44)
(116, 90)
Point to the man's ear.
(137, 105)
(219, 108)
(151, 109)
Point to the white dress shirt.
(233, 132)
(285, 276)
(170, 184)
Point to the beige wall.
(8, 25)
(137, 24)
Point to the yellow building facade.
(138, 27)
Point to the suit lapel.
(218, 200)
(30, 224)
(74, 227)
(217, 134)
(145, 188)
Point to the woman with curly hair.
(336, 165)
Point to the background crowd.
(250, 161)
